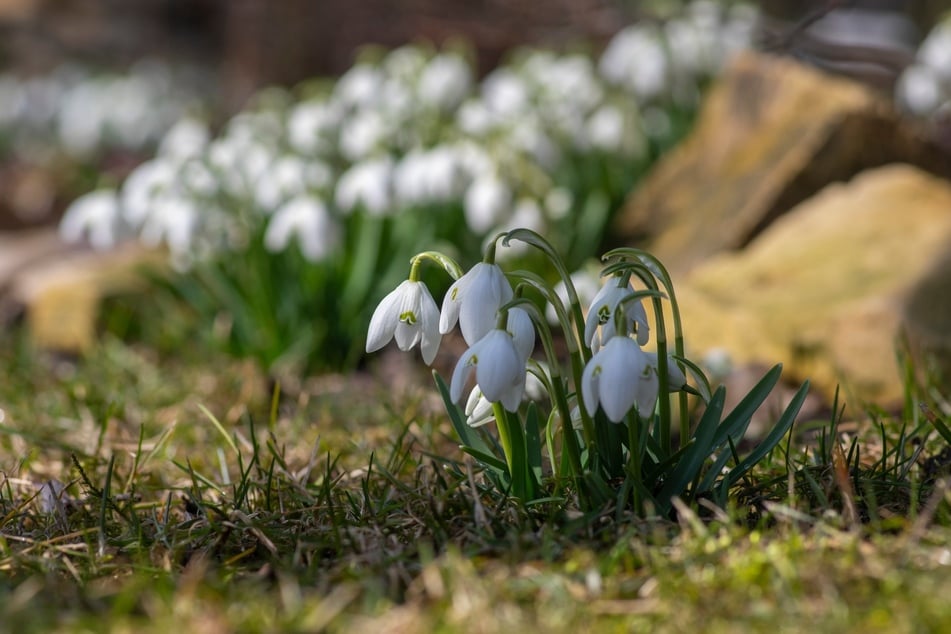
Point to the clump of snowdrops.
(286, 226)
(600, 422)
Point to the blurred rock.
(771, 133)
(58, 288)
(828, 288)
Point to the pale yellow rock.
(823, 289)
(771, 133)
(62, 294)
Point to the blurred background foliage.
(292, 156)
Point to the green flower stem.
(559, 396)
(635, 465)
(574, 303)
(447, 263)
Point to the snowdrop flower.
(635, 59)
(361, 134)
(478, 409)
(308, 125)
(142, 186)
(283, 179)
(359, 86)
(919, 90)
(475, 119)
(676, 379)
(620, 376)
(474, 300)
(485, 202)
(307, 219)
(445, 82)
(186, 139)
(409, 314)
(366, 184)
(601, 313)
(499, 370)
(935, 51)
(505, 93)
(172, 220)
(605, 128)
(95, 215)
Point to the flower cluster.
(80, 114)
(404, 149)
(610, 405)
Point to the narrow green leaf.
(775, 436)
(695, 455)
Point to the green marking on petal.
(409, 317)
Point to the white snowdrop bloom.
(366, 184)
(635, 59)
(410, 178)
(283, 179)
(184, 140)
(571, 80)
(172, 220)
(473, 160)
(618, 377)
(935, 50)
(474, 301)
(505, 93)
(445, 82)
(558, 202)
(93, 216)
(691, 48)
(397, 102)
(475, 118)
(80, 119)
(404, 63)
(408, 314)
(601, 314)
(606, 128)
(478, 409)
(919, 90)
(361, 133)
(309, 124)
(130, 112)
(486, 203)
(142, 186)
(499, 370)
(197, 178)
(520, 326)
(307, 219)
(531, 137)
(359, 86)
(676, 379)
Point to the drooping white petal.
(384, 320)
(499, 365)
(522, 330)
(428, 325)
(467, 362)
(474, 300)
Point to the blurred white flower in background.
(925, 85)
(368, 185)
(486, 202)
(307, 219)
(94, 217)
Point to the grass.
(198, 495)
